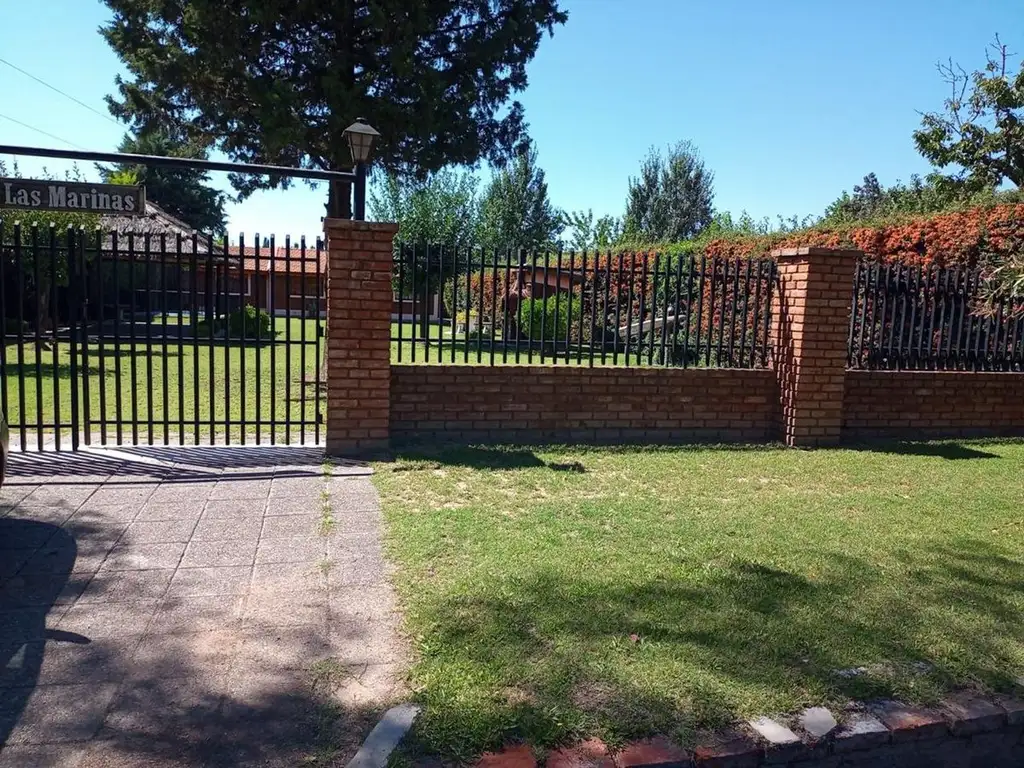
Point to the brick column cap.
(786, 254)
(350, 225)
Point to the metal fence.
(122, 338)
(930, 318)
(637, 309)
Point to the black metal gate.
(159, 337)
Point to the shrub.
(248, 322)
(542, 316)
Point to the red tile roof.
(284, 260)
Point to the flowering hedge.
(960, 238)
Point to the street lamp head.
(360, 136)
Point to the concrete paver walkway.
(191, 606)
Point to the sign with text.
(72, 196)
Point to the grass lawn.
(558, 593)
(222, 391)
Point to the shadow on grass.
(557, 654)
(952, 450)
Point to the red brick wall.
(521, 404)
(879, 404)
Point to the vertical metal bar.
(957, 315)
(653, 307)
(665, 304)
(194, 314)
(494, 305)
(164, 363)
(504, 308)
(746, 315)
(132, 362)
(941, 279)
(864, 272)
(618, 305)
(1014, 318)
(403, 251)
(288, 340)
(179, 272)
(882, 346)
(480, 311)
(455, 305)
(224, 295)
(211, 307)
(521, 257)
(629, 305)
(1002, 331)
(148, 277)
(37, 334)
(928, 293)
(56, 341)
(852, 352)
(976, 325)
(302, 338)
(711, 310)
(533, 300)
(544, 306)
(73, 287)
(320, 292)
(272, 310)
(732, 311)
(425, 306)
(558, 296)
(700, 309)
(768, 312)
(690, 267)
(115, 266)
(258, 392)
(20, 265)
(915, 294)
(4, 404)
(469, 304)
(84, 318)
(242, 380)
(641, 335)
(569, 308)
(415, 304)
(721, 313)
(582, 316)
(604, 308)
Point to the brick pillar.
(358, 349)
(811, 322)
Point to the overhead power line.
(40, 130)
(62, 93)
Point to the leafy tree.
(277, 81)
(872, 200)
(515, 211)
(442, 209)
(672, 198)
(981, 129)
(586, 233)
(181, 192)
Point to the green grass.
(222, 389)
(559, 593)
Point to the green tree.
(981, 128)
(515, 211)
(442, 209)
(181, 192)
(277, 81)
(588, 233)
(672, 198)
(871, 200)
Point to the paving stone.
(288, 577)
(67, 658)
(184, 654)
(385, 737)
(72, 496)
(90, 534)
(187, 508)
(969, 714)
(197, 614)
(12, 493)
(374, 603)
(302, 487)
(43, 589)
(143, 557)
(122, 493)
(297, 550)
(370, 685)
(59, 713)
(51, 560)
(356, 571)
(162, 707)
(52, 514)
(277, 609)
(1014, 708)
(907, 723)
(108, 619)
(25, 534)
(23, 625)
(510, 757)
(231, 580)
(106, 513)
(188, 494)
(239, 488)
(122, 586)
(203, 554)
(282, 647)
(860, 731)
(244, 530)
(290, 526)
(41, 756)
(11, 560)
(818, 722)
(221, 508)
(159, 532)
(592, 753)
(656, 751)
(288, 506)
(727, 749)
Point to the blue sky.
(789, 102)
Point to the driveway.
(191, 607)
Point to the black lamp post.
(360, 136)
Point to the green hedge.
(550, 317)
